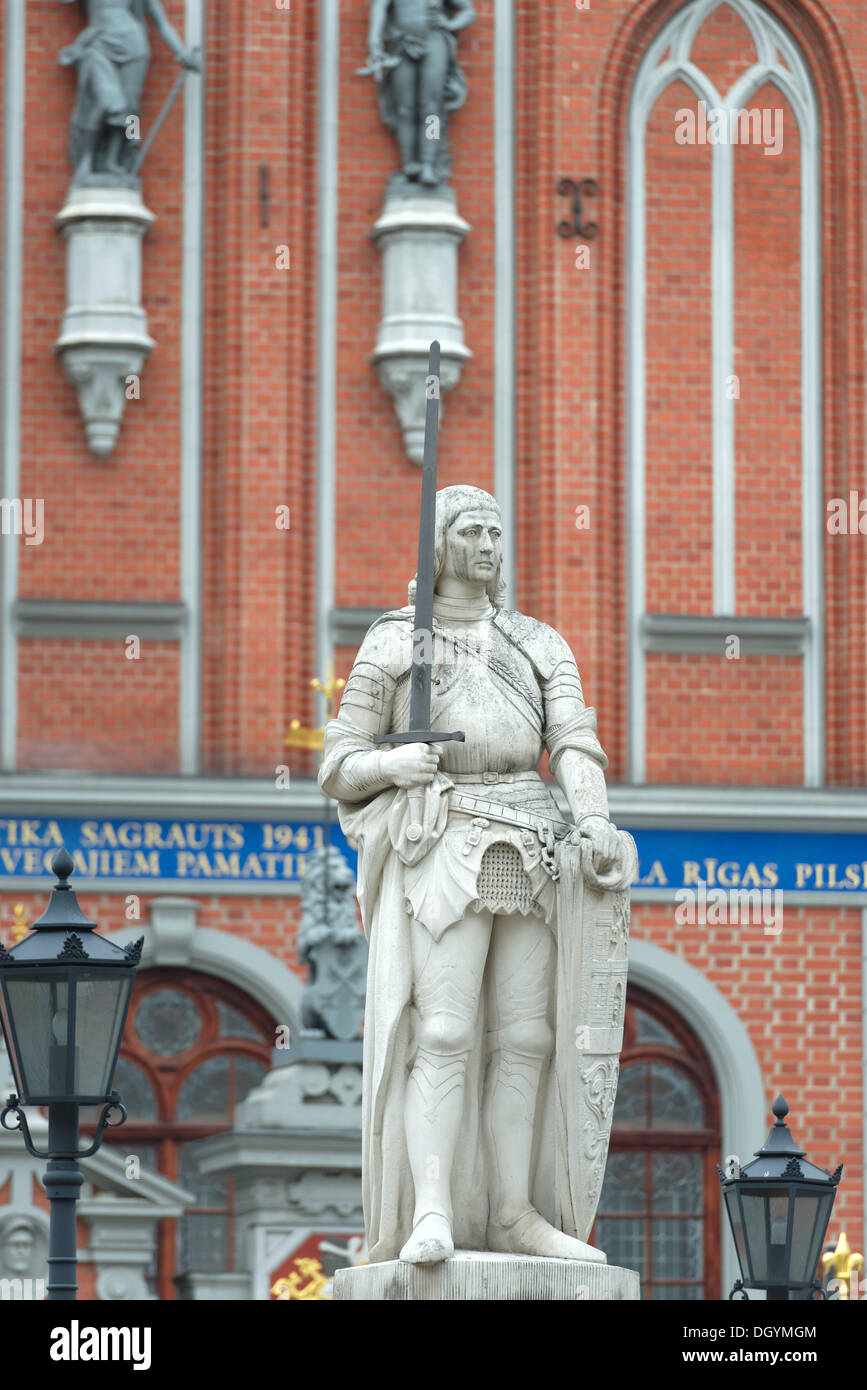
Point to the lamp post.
(779, 1207)
(64, 995)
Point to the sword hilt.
(415, 796)
(420, 736)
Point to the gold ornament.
(298, 736)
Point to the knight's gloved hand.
(604, 841)
(412, 764)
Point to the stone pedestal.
(103, 339)
(480, 1277)
(418, 237)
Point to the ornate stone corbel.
(103, 339)
(418, 238)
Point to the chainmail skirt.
(502, 884)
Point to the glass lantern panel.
(765, 1229)
(674, 1101)
(100, 1007)
(167, 1022)
(756, 1233)
(36, 1018)
(806, 1237)
(734, 1210)
(630, 1106)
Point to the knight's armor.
(512, 685)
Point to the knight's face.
(473, 549)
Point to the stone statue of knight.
(496, 983)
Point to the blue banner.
(183, 850)
(796, 861)
(187, 851)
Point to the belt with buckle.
(509, 815)
(491, 778)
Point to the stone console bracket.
(103, 339)
(418, 236)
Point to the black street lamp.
(64, 995)
(779, 1207)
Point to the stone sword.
(422, 634)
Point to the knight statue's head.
(462, 511)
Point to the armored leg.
(521, 1039)
(520, 1042)
(447, 978)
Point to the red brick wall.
(85, 705)
(268, 922)
(259, 380)
(678, 391)
(769, 492)
(734, 722)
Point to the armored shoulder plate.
(544, 647)
(388, 642)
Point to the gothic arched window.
(724, 402)
(659, 1211)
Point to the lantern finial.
(63, 913)
(62, 864)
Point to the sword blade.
(422, 633)
(422, 636)
(166, 108)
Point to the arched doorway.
(659, 1211)
(193, 1048)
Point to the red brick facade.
(113, 525)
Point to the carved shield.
(336, 999)
(592, 936)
